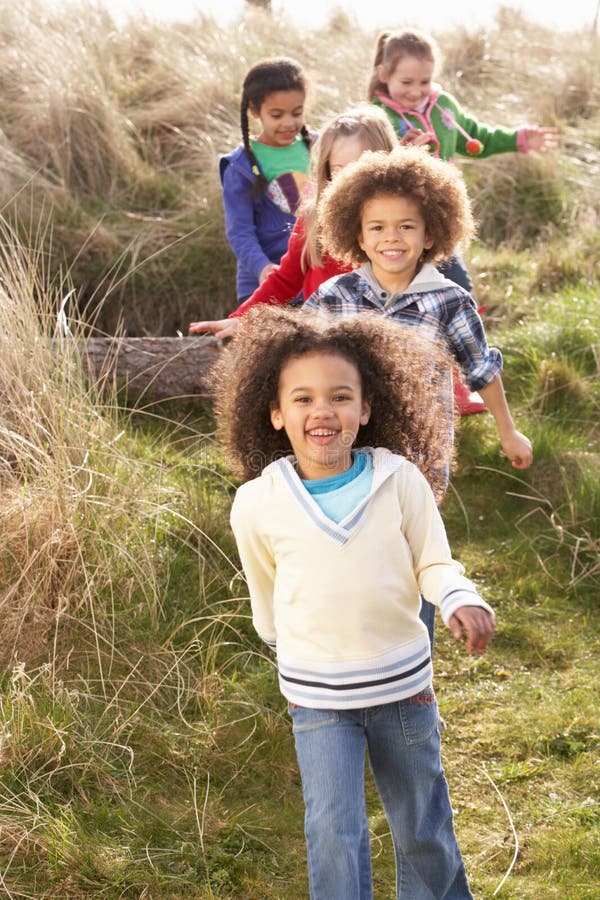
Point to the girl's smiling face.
(393, 236)
(410, 82)
(281, 116)
(321, 407)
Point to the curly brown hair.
(433, 184)
(404, 372)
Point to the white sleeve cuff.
(454, 599)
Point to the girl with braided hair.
(264, 177)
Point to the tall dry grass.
(73, 516)
(50, 427)
(119, 629)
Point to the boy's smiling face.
(393, 236)
(320, 405)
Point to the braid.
(380, 47)
(375, 83)
(260, 184)
(245, 127)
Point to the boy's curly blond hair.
(434, 185)
(404, 371)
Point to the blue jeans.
(427, 616)
(403, 744)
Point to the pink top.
(288, 279)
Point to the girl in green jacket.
(402, 83)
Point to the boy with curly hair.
(396, 215)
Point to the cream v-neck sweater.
(340, 601)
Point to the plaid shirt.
(430, 300)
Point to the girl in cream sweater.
(334, 424)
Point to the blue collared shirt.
(431, 300)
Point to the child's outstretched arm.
(516, 446)
(474, 623)
(481, 365)
(439, 577)
(283, 283)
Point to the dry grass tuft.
(43, 441)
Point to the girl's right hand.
(221, 328)
(416, 138)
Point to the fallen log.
(154, 368)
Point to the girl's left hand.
(264, 273)
(476, 623)
(541, 140)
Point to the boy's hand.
(221, 328)
(518, 449)
(476, 624)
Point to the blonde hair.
(433, 184)
(391, 46)
(373, 128)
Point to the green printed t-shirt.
(286, 170)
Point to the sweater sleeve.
(284, 282)
(257, 560)
(493, 140)
(479, 362)
(240, 227)
(440, 578)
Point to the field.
(144, 747)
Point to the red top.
(288, 279)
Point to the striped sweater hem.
(394, 676)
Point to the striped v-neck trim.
(339, 532)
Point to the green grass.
(155, 759)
